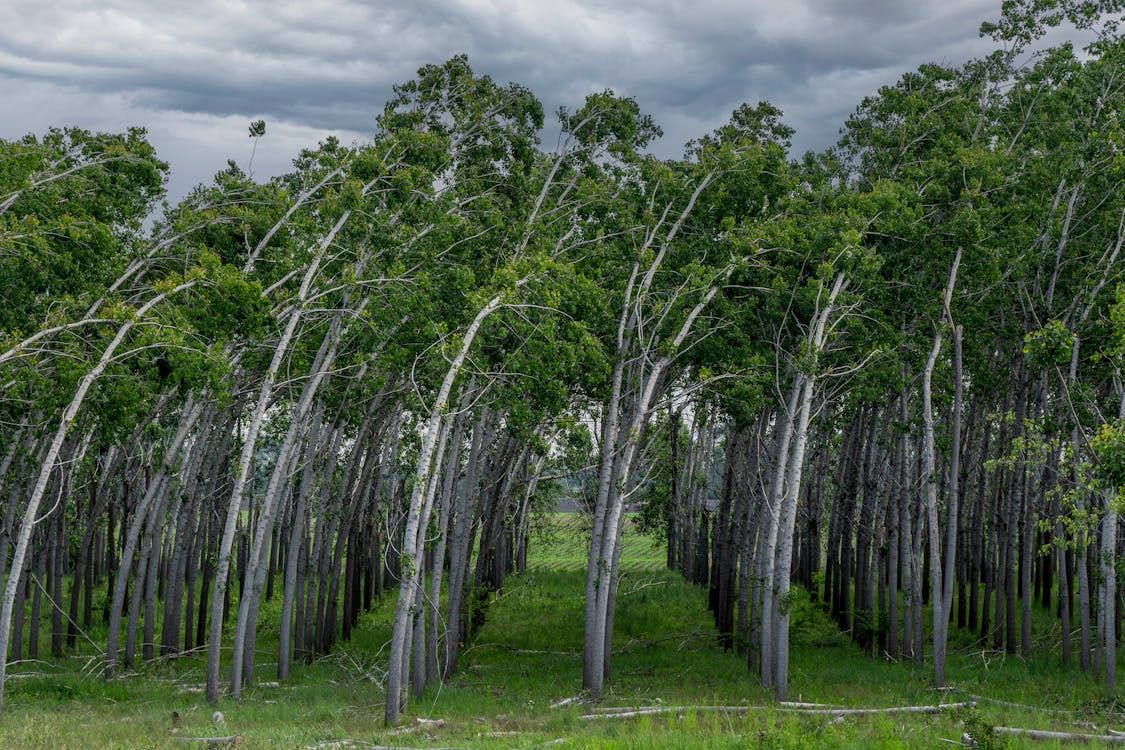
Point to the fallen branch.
(643, 585)
(632, 712)
(1042, 734)
(513, 650)
(890, 710)
(419, 723)
(628, 713)
(1009, 704)
(629, 709)
(328, 744)
(234, 740)
(404, 747)
(684, 640)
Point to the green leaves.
(611, 124)
(1024, 21)
(1049, 346)
(227, 305)
(1109, 447)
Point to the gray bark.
(941, 586)
(249, 602)
(250, 441)
(411, 547)
(47, 467)
(451, 474)
(460, 550)
(298, 540)
(793, 468)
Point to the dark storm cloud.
(197, 72)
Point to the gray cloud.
(197, 73)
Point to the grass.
(560, 542)
(528, 656)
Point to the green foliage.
(73, 203)
(227, 305)
(982, 734)
(479, 600)
(809, 625)
(1109, 448)
(394, 245)
(610, 122)
(1023, 21)
(1050, 346)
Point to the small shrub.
(808, 623)
(980, 733)
(479, 600)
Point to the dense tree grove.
(887, 376)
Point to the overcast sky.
(197, 73)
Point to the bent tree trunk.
(222, 565)
(614, 475)
(255, 569)
(942, 589)
(157, 485)
(47, 468)
(787, 512)
(413, 540)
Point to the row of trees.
(977, 453)
(367, 373)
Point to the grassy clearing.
(561, 543)
(528, 656)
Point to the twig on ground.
(419, 723)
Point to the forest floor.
(520, 675)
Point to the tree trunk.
(461, 549)
(894, 554)
(297, 543)
(787, 508)
(31, 511)
(1109, 595)
(420, 503)
(157, 487)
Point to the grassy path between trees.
(526, 661)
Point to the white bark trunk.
(410, 550)
(941, 587)
(787, 511)
(250, 441)
(767, 618)
(615, 471)
(48, 466)
(255, 568)
(781, 604)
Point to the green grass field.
(527, 659)
(561, 543)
